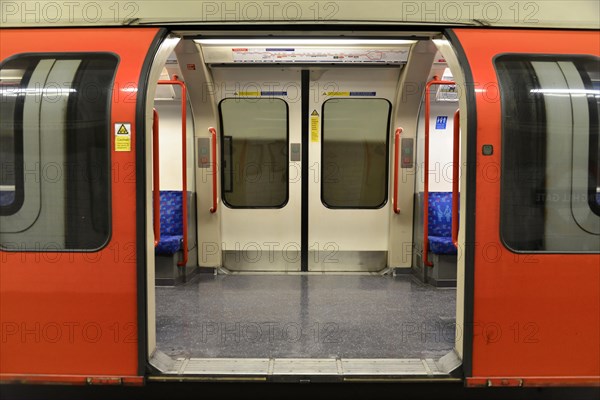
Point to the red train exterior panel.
(73, 313)
(535, 315)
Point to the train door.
(71, 268)
(348, 208)
(260, 128)
(532, 265)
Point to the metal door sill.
(300, 369)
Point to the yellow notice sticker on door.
(314, 126)
(122, 136)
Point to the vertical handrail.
(455, 174)
(213, 139)
(184, 210)
(396, 156)
(434, 81)
(155, 178)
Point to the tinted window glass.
(549, 153)
(254, 139)
(55, 156)
(354, 153)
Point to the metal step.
(412, 367)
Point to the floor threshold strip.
(413, 367)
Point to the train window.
(550, 171)
(254, 152)
(355, 153)
(55, 151)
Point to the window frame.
(387, 155)
(60, 56)
(530, 58)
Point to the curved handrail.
(455, 174)
(184, 210)
(396, 156)
(155, 178)
(434, 81)
(213, 139)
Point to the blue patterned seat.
(440, 223)
(168, 245)
(171, 224)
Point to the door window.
(354, 160)
(254, 152)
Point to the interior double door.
(304, 167)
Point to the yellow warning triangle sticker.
(122, 130)
(314, 113)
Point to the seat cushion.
(171, 222)
(168, 245)
(440, 214)
(441, 245)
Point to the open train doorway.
(296, 242)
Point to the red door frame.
(530, 320)
(93, 304)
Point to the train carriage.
(358, 194)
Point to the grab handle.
(184, 210)
(396, 156)
(434, 81)
(213, 139)
(455, 173)
(155, 178)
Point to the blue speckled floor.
(317, 316)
